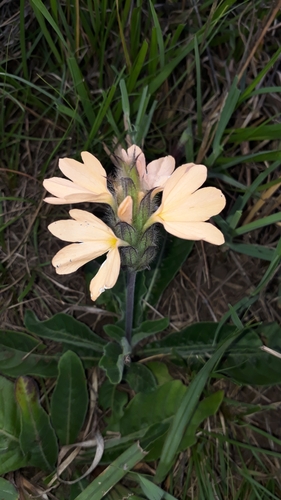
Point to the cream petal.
(132, 153)
(72, 231)
(184, 181)
(199, 206)
(195, 231)
(60, 187)
(158, 171)
(71, 257)
(107, 275)
(85, 216)
(77, 198)
(135, 155)
(90, 175)
(161, 167)
(125, 210)
(85, 227)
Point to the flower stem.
(130, 298)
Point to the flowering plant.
(130, 238)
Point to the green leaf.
(186, 411)
(206, 408)
(160, 371)
(113, 474)
(146, 409)
(7, 490)
(69, 401)
(37, 437)
(65, 329)
(151, 490)
(148, 328)
(17, 356)
(140, 378)
(244, 361)
(113, 360)
(226, 114)
(173, 254)
(11, 457)
(110, 397)
(115, 332)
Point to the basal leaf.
(148, 328)
(65, 329)
(146, 409)
(7, 490)
(69, 401)
(11, 456)
(244, 361)
(140, 378)
(113, 360)
(37, 437)
(15, 363)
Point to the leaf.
(110, 397)
(65, 329)
(11, 456)
(151, 490)
(146, 409)
(114, 331)
(186, 411)
(173, 254)
(113, 474)
(7, 490)
(69, 401)
(17, 359)
(206, 408)
(148, 328)
(140, 378)
(37, 437)
(244, 361)
(113, 360)
(160, 371)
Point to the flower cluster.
(131, 197)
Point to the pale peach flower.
(185, 207)
(90, 238)
(87, 182)
(153, 175)
(125, 210)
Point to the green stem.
(130, 298)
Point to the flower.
(95, 238)
(185, 207)
(88, 182)
(153, 175)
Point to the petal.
(60, 187)
(199, 206)
(134, 155)
(107, 275)
(68, 192)
(161, 167)
(184, 181)
(89, 175)
(85, 227)
(71, 257)
(195, 231)
(125, 210)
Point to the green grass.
(83, 75)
